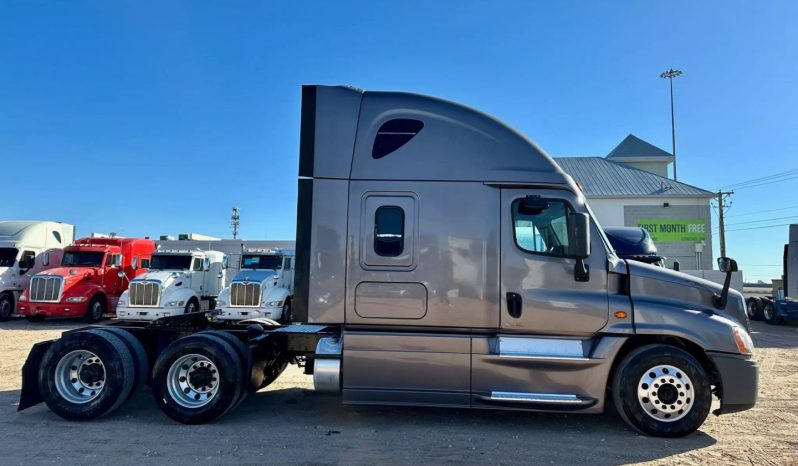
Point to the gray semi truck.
(442, 259)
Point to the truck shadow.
(299, 426)
(774, 336)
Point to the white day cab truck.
(263, 287)
(442, 259)
(178, 282)
(27, 248)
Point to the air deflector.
(394, 134)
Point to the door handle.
(514, 304)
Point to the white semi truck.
(179, 281)
(27, 248)
(263, 287)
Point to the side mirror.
(579, 244)
(220, 275)
(120, 274)
(579, 235)
(727, 264)
(677, 266)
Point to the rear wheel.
(769, 313)
(6, 306)
(95, 310)
(754, 308)
(197, 379)
(140, 360)
(85, 375)
(661, 390)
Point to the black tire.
(288, 312)
(769, 313)
(118, 375)
(228, 372)
(6, 306)
(211, 304)
(142, 363)
(95, 310)
(35, 318)
(754, 308)
(249, 375)
(191, 306)
(638, 364)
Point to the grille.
(144, 294)
(245, 294)
(46, 289)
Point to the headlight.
(22, 297)
(221, 303)
(175, 303)
(76, 299)
(743, 341)
(273, 304)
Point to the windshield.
(8, 256)
(170, 262)
(82, 258)
(249, 261)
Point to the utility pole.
(234, 221)
(722, 195)
(669, 75)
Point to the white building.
(630, 187)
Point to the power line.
(744, 214)
(762, 178)
(760, 228)
(766, 183)
(762, 220)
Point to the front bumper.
(32, 308)
(146, 313)
(739, 382)
(241, 313)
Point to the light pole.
(669, 75)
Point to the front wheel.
(95, 310)
(6, 307)
(662, 390)
(191, 306)
(287, 314)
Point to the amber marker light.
(620, 314)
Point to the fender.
(178, 294)
(712, 332)
(276, 294)
(88, 290)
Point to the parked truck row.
(442, 259)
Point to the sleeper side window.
(540, 226)
(389, 231)
(145, 263)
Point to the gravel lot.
(288, 423)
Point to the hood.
(71, 273)
(165, 277)
(260, 276)
(690, 292)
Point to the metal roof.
(600, 177)
(633, 146)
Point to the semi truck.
(26, 248)
(93, 273)
(782, 304)
(178, 282)
(442, 259)
(263, 287)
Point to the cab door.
(541, 291)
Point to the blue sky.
(150, 118)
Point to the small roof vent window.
(394, 134)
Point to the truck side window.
(109, 260)
(27, 260)
(389, 231)
(287, 265)
(135, 263)
(544, 230)
(197, 266)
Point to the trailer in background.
(782, 303)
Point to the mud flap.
(30, 395)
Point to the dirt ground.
(289, 424)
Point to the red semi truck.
(94, 272)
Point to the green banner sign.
(675, 230)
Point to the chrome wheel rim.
(193, 381)
(768, 311)
(97, 310)
(79, 377)
(751, 309)
(665, 393)
(191, 308)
